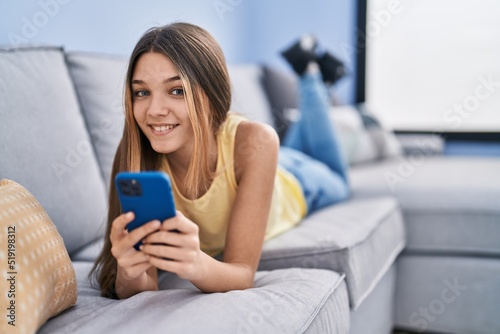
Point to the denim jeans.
(310, 149)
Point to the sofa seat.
(451, 205)
(283, 301)
(359, 237)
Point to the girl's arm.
(256, 157)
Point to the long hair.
(203, 72)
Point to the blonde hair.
(203, 72)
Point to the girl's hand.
(175, 247)
(131, 263)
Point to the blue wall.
(273, 25)
(248, 30)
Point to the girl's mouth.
(163, 129)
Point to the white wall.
(428, 64)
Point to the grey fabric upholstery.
(99, 82)
(376, 313)
(283, 301)
(450, 204)
(359, 237)
(89, 252)
(385, 141)
(248, 96)
(282, 93)
(448, 294)
(45, 144)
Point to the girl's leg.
(313, 133)
(320, 185)
(313, 154)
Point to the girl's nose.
(158, 107)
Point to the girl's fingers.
(180, 224)
(140, 233)
(125, 243)
(165, 237)
(183, 270)
(133, 259)
(119, 224)
(163, 252)
(171, 266)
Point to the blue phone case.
(147, 194)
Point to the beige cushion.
(37, 275)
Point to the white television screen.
(434, 65)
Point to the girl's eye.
(141, 93)
(178, 91)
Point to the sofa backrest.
(45, 145)
(99, 83)
(248, 95)
(61, 119)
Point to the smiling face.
(159, 104)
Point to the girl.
(229, 190)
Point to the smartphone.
(147, 194)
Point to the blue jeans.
(311, 151)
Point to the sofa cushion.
(376, 313)
(362, 138)
(359, 237)
(450, 204)
(38, 278)
(283, 301)
(281, 91)
(248, 96)
(383, 137)
(46, 146)
(99, 82)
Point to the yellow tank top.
(212, 210)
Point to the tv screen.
(434, 65)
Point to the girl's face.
(159, 106)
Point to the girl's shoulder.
(255, 132)
(243, 131)
(255, 143)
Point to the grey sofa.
(421, 252)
